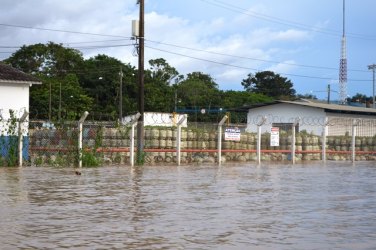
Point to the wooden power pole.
(140, 125)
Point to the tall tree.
(101, 80)
(68, 100)
(203, 78)
(49, 59)
(198, 91)
(162, 71)
(159, 90)
(56, 66)
(269, 84)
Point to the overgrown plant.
(9, 140)
(93, 158)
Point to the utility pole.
(373, 67)
(121, 95)
(140, 125)
(329, 93)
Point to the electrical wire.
(248, 68)
(58, 30)
(254, 59)
(285, 22)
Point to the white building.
(14, 97)
(311, 117)
(14, 91)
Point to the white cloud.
(283, 67)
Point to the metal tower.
(343, 65)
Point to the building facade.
(311, 117)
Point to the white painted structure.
(13, 97)
(311, 117)
(14, 93)
(158, 119)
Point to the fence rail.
(299, 139)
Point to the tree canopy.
(72, 84)
(270, 84)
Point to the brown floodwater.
(245, 206)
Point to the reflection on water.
(190, 207)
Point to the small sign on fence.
(232, 134)
(274, 137)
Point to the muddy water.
(190, 207)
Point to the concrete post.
(20, 137)
(133, 125)
(353, 135)
(220, 124)
(259, 125)
(178, 139)
(323, 144)
(80, 124)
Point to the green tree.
(159, 90)
(237, 99)
(56, 66)
(198, 91)
(360, 98)
(101, 80)
(269, 84)
(160, 70)
(70, 104)
(49, 59)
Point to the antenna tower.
(343, 65)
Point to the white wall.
(310, 118)
(14, 96)
(158, 119)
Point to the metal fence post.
(80, 124)
(220, 124)
(323, 144)
(20, 137)
(178, 139)
(133, 124)
(353, 134)
(262, 122)
(293, 146)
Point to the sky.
(298, 39)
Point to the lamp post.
(373, 67)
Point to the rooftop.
(330, 108)
(8, 74)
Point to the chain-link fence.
(299, 139)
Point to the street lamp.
(373, 67)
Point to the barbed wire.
(270, 119)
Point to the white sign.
(232, 134)
(274, 137)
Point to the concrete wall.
(158, 119)
(14, 96)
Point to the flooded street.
(190, 207)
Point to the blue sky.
(299, 39)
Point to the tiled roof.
(10, 74)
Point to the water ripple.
(190, 207)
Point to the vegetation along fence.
(107, 143)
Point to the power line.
(103, 46)
(248, 68)
(281, 21)
(58, 30)
(255, 59)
